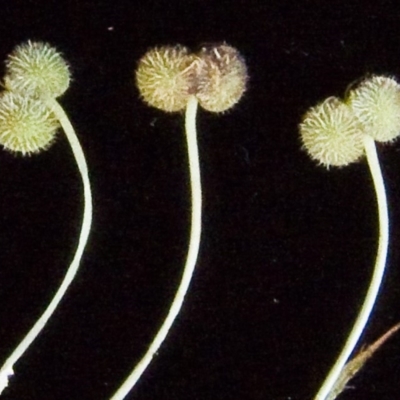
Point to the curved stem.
(380, 262)
(194, 243)
(7, 369)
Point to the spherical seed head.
(331, 134)
(376, 102)
(26, 125)
(37, 68)
(221, 77)
(164, 77)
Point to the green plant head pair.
(332, 132)
(35, 71)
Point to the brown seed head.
(220, 78)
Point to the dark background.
(287, 247)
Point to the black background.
(287, 247)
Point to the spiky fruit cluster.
(167, 76)
(37, 68)
(26, 125)
(35, 72)
(333, 131)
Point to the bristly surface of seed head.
(331, 133)
(164, 77)
(376, 103)
(27, 126)
(37, 68)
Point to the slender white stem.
(7, 369)
(380, 263)
(194, 243)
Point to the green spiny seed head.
(331, 133)
(164, 77)
(221, 77)
(376, 103)
(27, 126)
(38, 69)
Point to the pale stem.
(194, 243)
(377, 276)
(7, 369)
